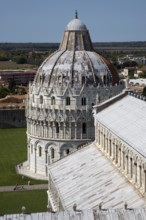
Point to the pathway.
(24, 187)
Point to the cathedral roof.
(88, 178)
(76, 61)
(127, 119)
(88, 214)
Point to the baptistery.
(60, 99)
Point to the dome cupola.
(76, 24)
(61, 98)
(75, 60)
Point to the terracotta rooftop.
(13, 101)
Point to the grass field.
(5, 65)
(34, 201)
(12, 152)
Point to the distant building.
(138, 82)
(12, 111)
(21, 77)
(130, 57)
(126, 71)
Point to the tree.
(12, 86)
(3, 92)
(21, 60)
(130, 64)
(142, 75)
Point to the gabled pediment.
(68, 91)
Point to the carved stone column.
(140, 175)
(70, 128)
(35, 160)
(119, 157)
(53, 130)
(64, 130)
(145, 180)
(135, 172)
(75, 130)
(127, 165)
(123, 160)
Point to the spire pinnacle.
(76, 14)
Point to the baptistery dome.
(59, 104)
(76, 62)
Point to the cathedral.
(111, 171)
(60, 101)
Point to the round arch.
(66, 149)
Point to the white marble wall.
(129, 162)
(47, 110)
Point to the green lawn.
(5, 65)
(12, 151)
(34, 201)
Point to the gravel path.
(23, 187)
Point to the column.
(110, 148)
(46, 161)
(135, 172)
(116, 154)
(131, 167)
(145, 181)
(64, 130)
(35, 160)
(123, 160)
(113, 151)
(28, 153)
(127, 165)
(140, 176)
(107, 145)
(53, 130)
(119, 158)
(70, 130)
(104, 146)
(75, 130)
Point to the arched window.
(84, 128)
(83, 80)
(57, 127)
(83, 101)
(52, 153)
(67, 100)
(52, 100)
(40, 151)
(41, 99)
(67, 151)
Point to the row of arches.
(49, 149)
(68, 100)
(39, 148)
(59, 130)
(127, 160)
(40, 155)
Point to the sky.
(45, 20)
